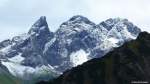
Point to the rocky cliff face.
(79, 36)
(125, 65)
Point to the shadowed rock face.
(39, 34)
(126, 64)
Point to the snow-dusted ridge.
(42, 52)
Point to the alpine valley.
(43, 55)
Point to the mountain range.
(42, 55)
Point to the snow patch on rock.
(79, 57)
(17, 59)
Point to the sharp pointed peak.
(41, 22)
(43, 17)
(40, 25)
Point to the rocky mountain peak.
(74, 26)
(39, 26)
(121, 26)
(39, 34)
(109, 23)
(78, 19)
(41, 22)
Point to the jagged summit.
(40, 34)
(117, 19)
(118, 22)
(77, 19)
(109, 23)
(41, 22)
(40, 25)
(120, 25)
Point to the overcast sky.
(16, 16)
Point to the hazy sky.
(16, 16)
